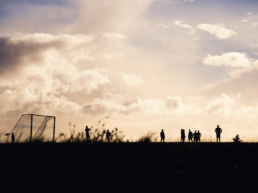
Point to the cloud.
(248, 13)
(221, 105)
(163, 25)
(195, 38)
(117, 104)
(36, 87)
(190, 29)
(25, 48)
(241, 81)
(255, 24)
(231, 59)
(113, 35)
(253, 45)
(114, 55)
(47, 72)
(184, 1)
(218, 30)
(131, 79)
(244, 20)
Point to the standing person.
(218, 131)
(199, 136)
(190, 136)
(108, 135)
(87, 130)
(195, 136)
(182, 135)
(13, 138)
(162, 136)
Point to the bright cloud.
(244, 20)
(114, 55)
(231, 59)
(113, 35)
(218, 30)
(132, 80)
(221, 105)
(190, 29)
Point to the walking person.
(87, 130)
(190, 136)
(182, 135)
(218, 131)
(13, 138)
(162, 136)
(108, 134)
(199, 136)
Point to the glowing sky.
(148, 64)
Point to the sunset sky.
(148, 64)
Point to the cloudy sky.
(148, 64)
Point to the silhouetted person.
(13, 138)
(87, 130)
(190, 136)
(199, 136)
(108, 135)
(162, 136)
(218, 131)
(182, 135)
(195, 136)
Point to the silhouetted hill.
(134, 167)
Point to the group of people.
(193, 137)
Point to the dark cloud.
(14, 55)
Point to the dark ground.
(129, 167)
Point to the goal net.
(31, 127)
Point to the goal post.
(33, 127)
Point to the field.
(134, 167)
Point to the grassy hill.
(140, 167)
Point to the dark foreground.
(129, 167)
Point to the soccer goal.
(33, 127)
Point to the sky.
(147, 64)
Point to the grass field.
(134, 167)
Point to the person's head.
(195, 131)
(189, 130)
(107, 130)
(217, 126)
(12, 133)
(86, 127)
(162, 130)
